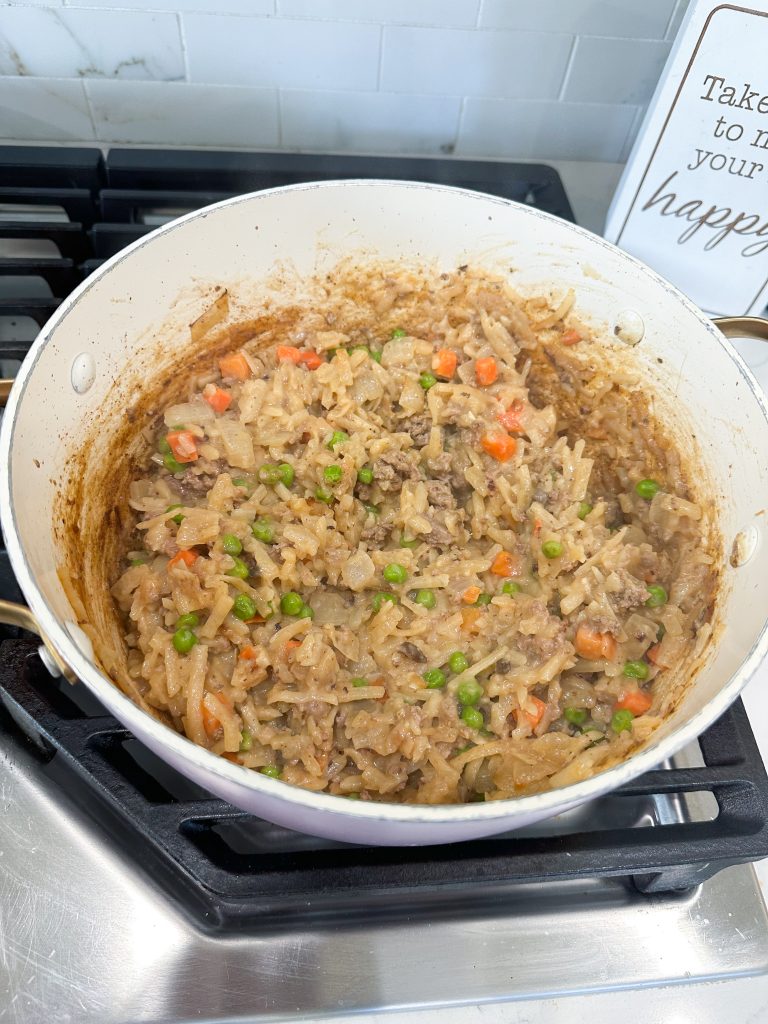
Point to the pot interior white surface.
(110, 324)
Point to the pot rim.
(134, 718)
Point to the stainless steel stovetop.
(92, 930)
(88, 937)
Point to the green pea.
(647, 489)
(162, 446)
(426, 598)
(306, 612)
(359, 681)
(380, 597)
(661, 632)
(176, 519)
(576, 716)
(434, 678)
(337, 437)
(469, 692)
(269, 473)
(484, 599)
(635, 670)
(184, 640)
(171, 464)
(372, 510)
(263, 530)
(244, 607)
(239, 569)
(472, 717)
(376, 356)
(458, 662)
(551, 549)
(510, 588)
(365, 475)
(427, 380)
(188, 621)
(332, 474)
(395, 573)
(139, 560)
(271, 771)
(399, 333)
(322, 495)
(291, 603)
(405, 543)
(286, 473)
(231, 544)
(241, 481)
(246, 741)
(584, 509)
(657, 596)
(622, 721)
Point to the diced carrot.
(536, 527)
(288, 354)
(486, 371)
(500, 446)
(248, 653)
(291, 644)
(653, 656)
(218, 399)
(469, 618)
(187, 557)
(229, 756)
(471, 594)
(235, 365)
(256, 620)
(311, 359)
(444, 363)
(636, 701)
(571, 337)
(183, 445)
(503, 564)
(510, 418)
(592, 645)
(534, 717)
(211, 724)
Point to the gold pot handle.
(5, 390)
(19, 615)
(755, 327)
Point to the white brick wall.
(546, 79)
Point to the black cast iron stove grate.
(62, 211)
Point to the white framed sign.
(693, 200)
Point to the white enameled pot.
(106, 332)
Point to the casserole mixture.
(418, 545)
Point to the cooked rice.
(276, 691)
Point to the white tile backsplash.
(460, 62)
(71, 43)
(619, 70)
(288, 54)
(179, 114)
(546, 131)
(47, 109)
(181, 6)
(540, 79)
(454, 13)
(641, 19)
(369, 122)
